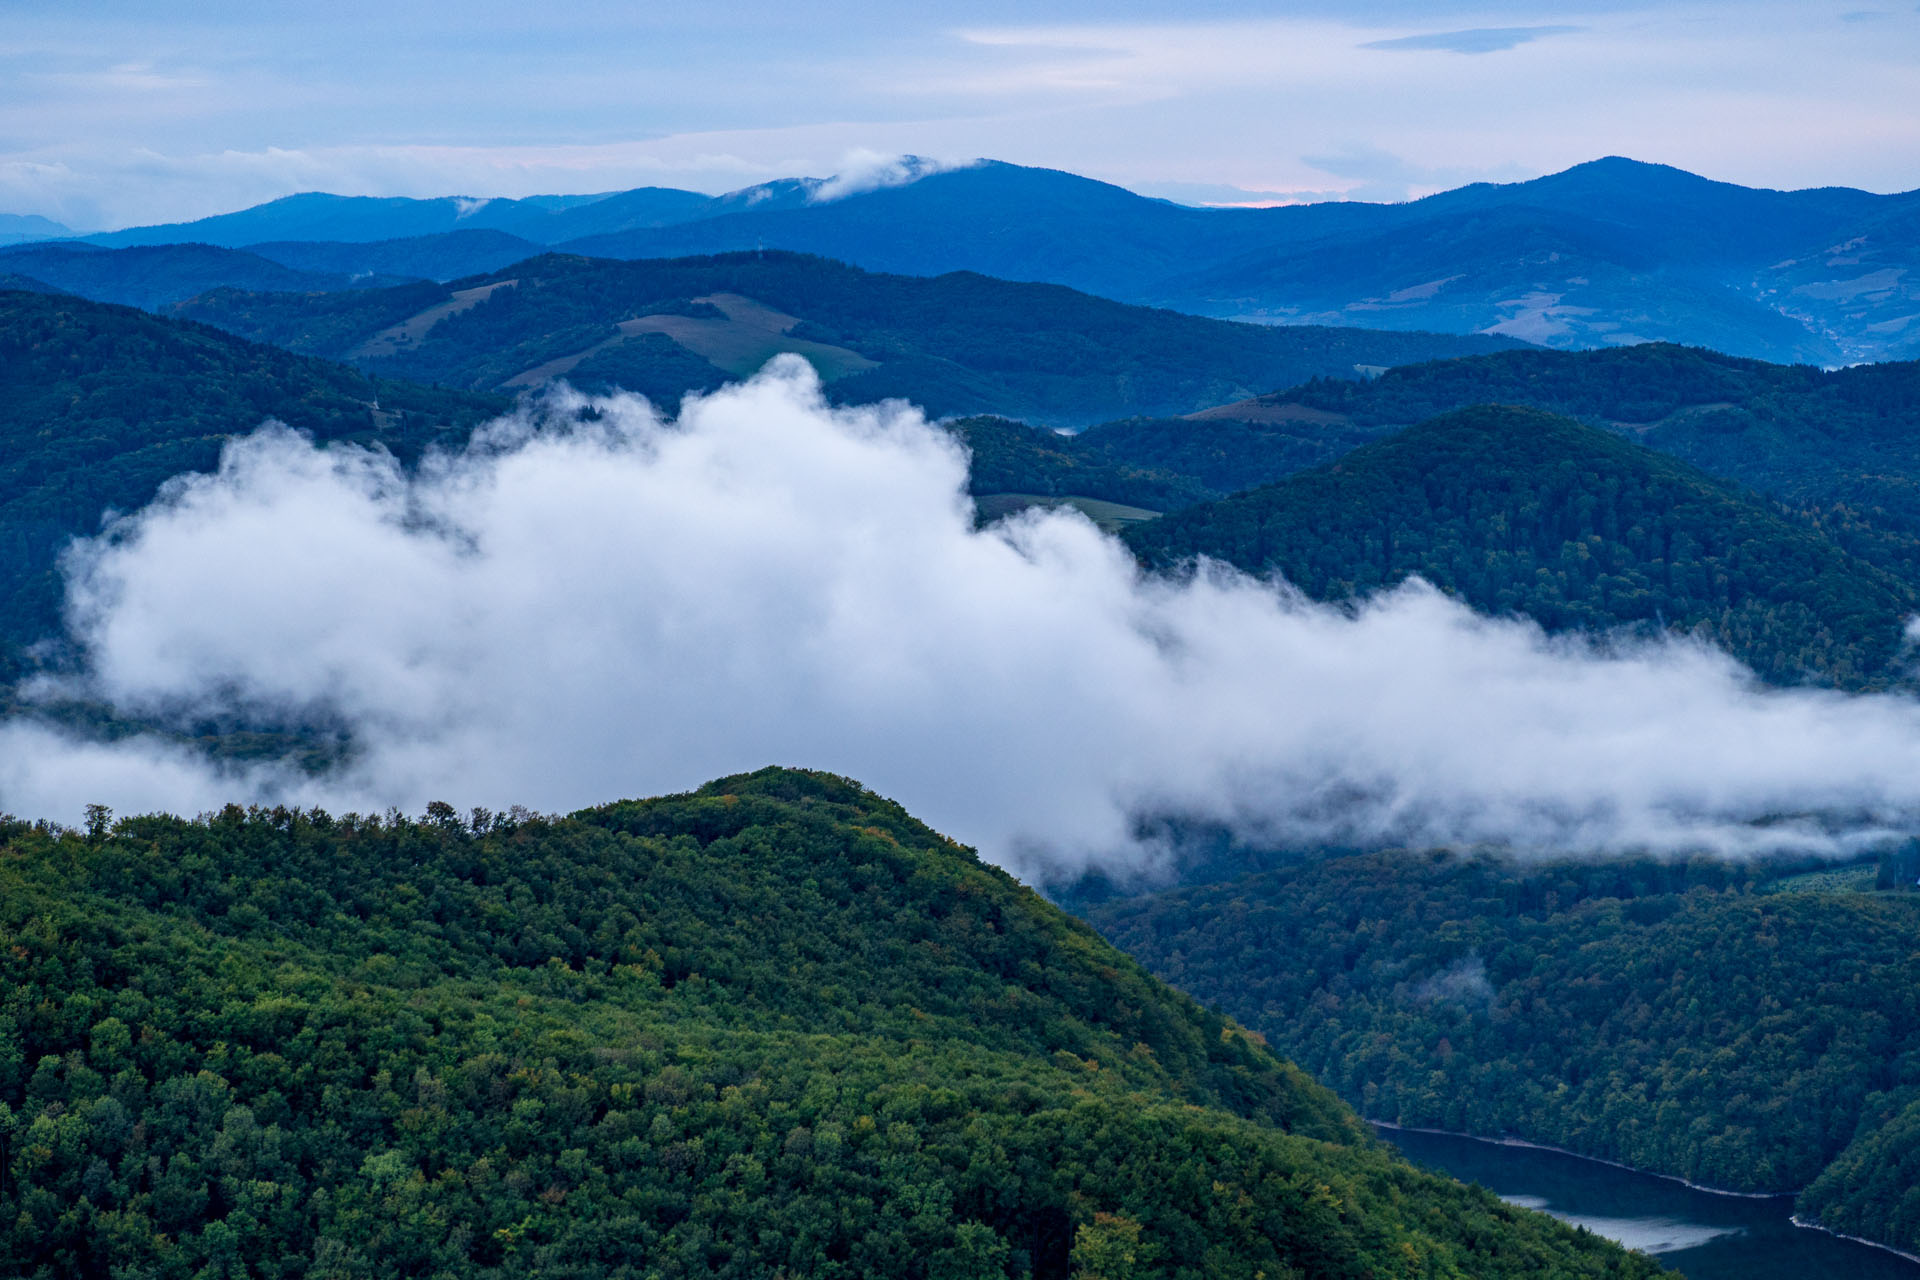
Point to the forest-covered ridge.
(1726, 1023)
(774, 1025)
(1519, 512)
(106, 403)
(157, 277)
(1841, 446)
(954, 344)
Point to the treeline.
(1524, 513)
(774, 1027)
(1711, 1021)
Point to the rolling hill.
(1732, 1024)
(155, 277)
(105, 403)
(1842, 446)
(774, 1026)
(956, 344)
(1520, 512)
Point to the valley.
(1713, 1022)
(1114, 510)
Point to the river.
(1701, 1235)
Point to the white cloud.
(567, 614)
(862, 170)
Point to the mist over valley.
(1183, 703)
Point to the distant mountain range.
(1607, 253)
(16, 227)
(156, 276)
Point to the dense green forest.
(772, 1027)
(1161, 463)
(1719, 1022)
(1012, 457)
(956, 344)
(1522, 512)
(1842, 446)
(105, 403)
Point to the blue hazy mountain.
(16, 228)
(318, 216)
(153, 276)
(1607, 253)
(470, 251)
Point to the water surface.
(1701, 1235)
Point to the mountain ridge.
(1620, 250)
(1520, 512)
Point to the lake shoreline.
(1612, 1164)
(1798, 1221)
(1793, 1218)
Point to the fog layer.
(564, 614)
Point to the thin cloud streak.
(1473, 40)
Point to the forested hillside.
(1522, 512)
(774, 1027)
(1842, 445)
(105, 403)
(1701, 1019)
(1161, 463)
(955, 344)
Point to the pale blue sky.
(116, 112)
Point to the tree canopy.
(774, 1026)
(1525, 513)
(1751, 1027)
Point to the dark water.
(1701, 1235)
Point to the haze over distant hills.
(1609, 252)
(15, 227)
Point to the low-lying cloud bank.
(567, 613)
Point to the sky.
(122, 112)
